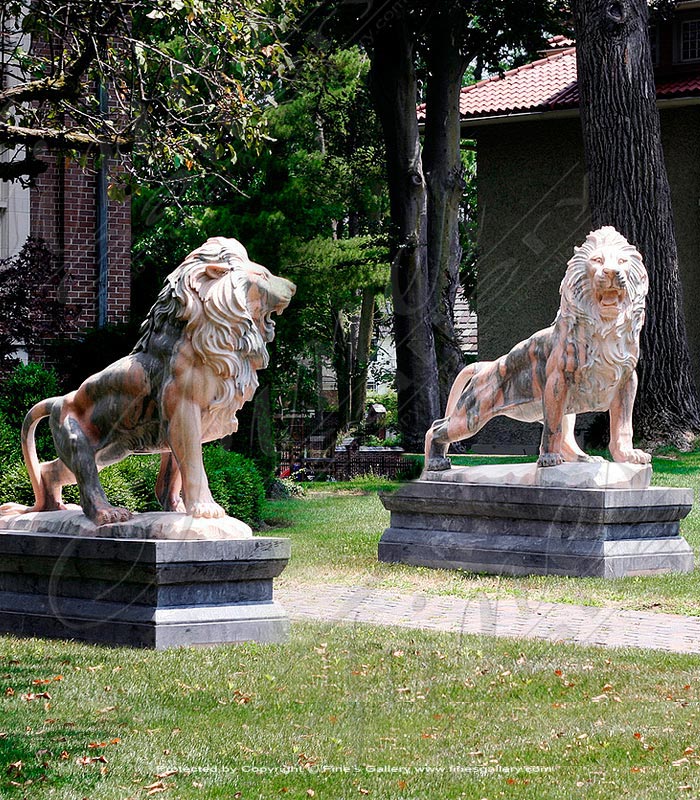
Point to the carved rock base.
(162, 525)
(141, 593)
(534, 530)
(590, 475)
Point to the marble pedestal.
(140, 592)
(535, 529)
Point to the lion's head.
(224, 302)
(605, 283)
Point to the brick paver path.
(587, 625)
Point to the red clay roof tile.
(544, 85)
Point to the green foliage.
(314, 209)
(10, 447)
(235, 483)
(191, 79)
(26, 385)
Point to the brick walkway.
(586, 625)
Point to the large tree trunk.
(394, 92)
(442, 164)
(629, 189)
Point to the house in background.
(67, 206)
(532, 192)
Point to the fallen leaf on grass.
(599, 698)
(15, 768)
(9, 692)
(680, 763)
(155, 788)
(310, 793)
(29, 696)
(167, 773)
(85, 761)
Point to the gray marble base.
(535, 530)
(141, 593)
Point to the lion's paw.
(550, 460)
(110, 515)
(632, 456)
(438, 464)
(210, 510)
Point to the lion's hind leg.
(569, 447)
(169, 485)
(78, 454)
(466, 413)
(54, 476)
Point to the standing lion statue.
(191, 370)
(584, 362)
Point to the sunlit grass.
(335, 530)
(347, 711)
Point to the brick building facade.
(65, 211)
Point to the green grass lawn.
(345, 712)
(336, 527)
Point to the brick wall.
(64, 214)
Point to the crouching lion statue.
(191, 370)
(584, 362)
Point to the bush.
(10, 447)
(26, 385)
(235, 483)
(234, 480)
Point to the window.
(654, 44)
(690, 40)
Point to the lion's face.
(266, 294)
(608, 269)
(605, 279)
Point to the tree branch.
(63, 137)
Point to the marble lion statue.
(191, 370)
(584, 362)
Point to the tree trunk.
(358, 382)
(341, 364)
(629, 189)
(442, 164)
(394, 92)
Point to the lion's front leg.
(621, 448)
(553, 407)
(185, 440)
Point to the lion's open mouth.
(610, 299)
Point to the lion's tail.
(34, 416)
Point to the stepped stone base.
(537, 530)
(139, 592)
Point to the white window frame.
(681, 26)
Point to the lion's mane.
(206, 299)
(614, 343)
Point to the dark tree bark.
(341, 365)
(394, 90)
(358, 379)
(442, 164)
(629, 189)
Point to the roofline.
(566, 113)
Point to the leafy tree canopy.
(172, 87)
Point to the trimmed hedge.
(234, 480)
